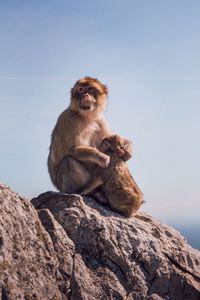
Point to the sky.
(147, 52)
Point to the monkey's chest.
(89, 136)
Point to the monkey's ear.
(74, 87)
(105, 88)
(72, 92)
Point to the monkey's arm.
(85, 153)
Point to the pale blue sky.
(147, 52)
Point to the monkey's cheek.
(120, 152)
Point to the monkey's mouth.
(87, 103)
(86, 107)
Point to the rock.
(69, 247)
(28, 261)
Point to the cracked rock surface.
(68, 247)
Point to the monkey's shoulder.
(67, 116)
(103, 126)
(68, 124)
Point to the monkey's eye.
(80, 89)
(107, 144)
(93, 91)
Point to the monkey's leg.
(71, 176)
(92, 185)
(93, 191)
(100, 197)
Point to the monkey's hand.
(104, 161)
(125, 151)
(85, 153)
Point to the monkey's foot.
(99, 197)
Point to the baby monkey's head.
(112, 144)
(88, 96)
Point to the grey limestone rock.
(68, 247)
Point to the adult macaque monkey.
(80, 129)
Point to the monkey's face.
(88, 95)
(112, 144)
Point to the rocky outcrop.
(68, 247)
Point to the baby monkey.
(115, 182)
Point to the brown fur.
(75, 151)
(116, 183)
(75, 139)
